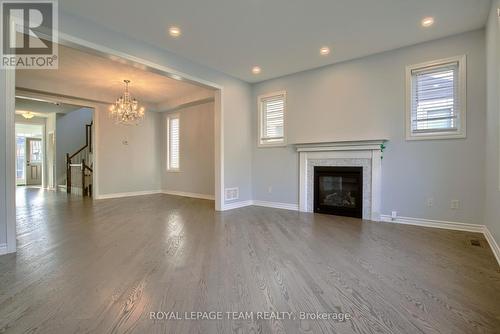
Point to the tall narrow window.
(436, 99)
(272, 119)
(173, 157)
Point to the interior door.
(33, 161)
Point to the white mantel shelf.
(365, 153)
(350, 145)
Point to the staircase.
(79, 167)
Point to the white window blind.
(173, 143)
(272, 119)
(435, 102)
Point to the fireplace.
(338, 190)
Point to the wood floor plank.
(87, 266)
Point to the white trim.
(476, 228)
(128, 194)
(462, 95)
(277, 205)
(188, 194)
(493, 243)
(219, 150)
(10, 160)
(350, 145)
(433, 223)
(281, 143)
(236, 205)
(3, 249)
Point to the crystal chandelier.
(126, 109)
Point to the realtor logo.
(29, 34)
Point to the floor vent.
(475, 242)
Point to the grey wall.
(128, 157)
(70, 137)
(492, 215)
(197, 169)
(365, 99)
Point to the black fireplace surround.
(338, 190)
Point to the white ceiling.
(281, 36)
(89, 76)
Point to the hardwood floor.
(103, 266)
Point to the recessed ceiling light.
(174, 31)
(256, 70)
(427, 22)
(324, 51)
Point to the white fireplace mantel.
(364, 153)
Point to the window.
(173, 143)
(436, 99)
(20, 159)
(272, 119)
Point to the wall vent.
(231, 194)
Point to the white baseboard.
(128, 194)
(493, 243)
(187, 194)
(276, 205)
(433, 223)
(3, 249)
(236, 205)
(449, 226)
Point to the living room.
(344, 159)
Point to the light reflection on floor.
(29, 195)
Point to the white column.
(376, 184)
(303, 182)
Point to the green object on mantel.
(382, 148)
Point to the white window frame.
(169, 118)
(461, 132)
(281, 143)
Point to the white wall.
(365, 99)
(197, 169)
(492, 215)
(128, 157)
(70, 137)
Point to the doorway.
(29, 154)
(137, 63)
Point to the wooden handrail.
(88, 140)
(88, 144)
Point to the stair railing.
(77, 165)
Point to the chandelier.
(126, 109)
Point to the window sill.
(259, 145)
(436, 135)
(173, 170)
